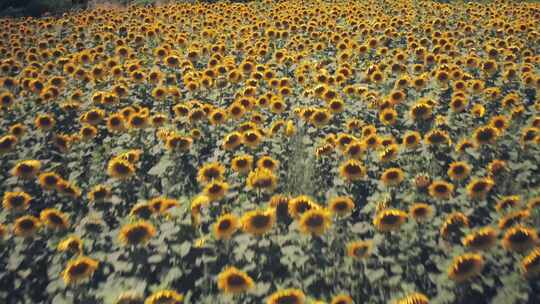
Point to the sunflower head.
(164, 297)
(413, 298)
(341, 206)
(458, 170)
(300, 204)
(342, 299)
(79, 269)
(26, 226)
(530, 264)
(225, 226)
(452, 225)
(482, 239)
(389, 220)
(26, 169)
(287, 296)
(315, 221)
(262, 179)
(138, 233)
(258, 222)
(465, 267)
(440, 189)
(392, 177)
(478, 188)
(216, 190)
(234, 281)
(16, 201)
(120, 168)
(72, 244)
(359, 250)
(420, 212)
(352, 170)
(242, 163)
(54, 219)
(129, 297)
(209, 172)
(99, 193)
(520, 239)
(485, 135)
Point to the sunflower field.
(275, 152)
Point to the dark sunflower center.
(137, 234)
(459, 169)
(392, 175)
(27, 225)
(17, 201)
(78, 269)
(241, 163)
(236, 280)
(479, 187)
(260, 221)
(465, 266)
(224, 224)
(122, 168)
(55, 219)
(390, 219)
(289, 299)
(520, 237)
(315, 221)
(420, 212)
(24, 168)
(353, 169)
(441, 189)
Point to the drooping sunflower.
(258, 222)
(507, 202)
(478, 188)
(54, 219)
(497, 167)
(359, 250)
(141, 210)
(287, 296)
(99, 193)
(16, 201)
(234, 281)
(49, 180)
(165, 297)
(341, 206)
(26, 226)
(120, 168)
(420, 212)
(440, 189)
(352, 170)
(138, 233)
(315, 221)
(389, 220)
(209, 172)
(392, 177)
(72, 244)
(437, 137)
(414, 298)
(342, 299)
(458, 170)
(465, 267)
(485, 135)
(7, 143)
(79, 269)
(262, 179)
(421, 111)
(225, 226)
(530, 264)
(452, 225)
(179, 143)
(242, 163)
(67, 188)
(520, 239)
(216, 190)
(482, 239)
(320, 118)
(26, 169)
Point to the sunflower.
(421, 111)
(389, 153)
(530, 264)
(68, 189)
(513, 218)
(300, 204)
(175, 142)
(389, 220)
(414, 298)
(485, 135)
(26, 226)
(120, 168)
(507, 202)
(520, 239)
(482, 239)
(499, 122)
(352, 170)
(478, 188)
(49, 180)
(315, 221)
(79, 269)
(164, 297)
(440, 189)
(129, 297)
(420, 212)
(242, 164)
(497, 167)
(392, 177)
(341, 206)
(437, 137)
(72, 244)
(44, 122)
(262, 179)
(458, 170)
(234, 281)
(88, 132)
(280, 203)
(287, 296)
(26, 169)
(465, 267)
(18, 130)
(142, 210)
(232, 140)
(216, 190)
(464, 144)
(226, 225)
(209, 172)
(16, 201)
(258, 222)
(54, 219)
(99, 193)
(138, 233)
(411, 139)
(252, 138)
(388, 116)
(116, 123)
(3, 231)
(342, 299)
(458, 104)
(7, 143)
(452, 225)
(359, 250)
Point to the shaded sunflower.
(49, 180)
(72, 244)
(44, 122)
(437, 137)
(507, 202)
(341, 206)
(478, 188)
(226, 225)
(26, 226)
(530, 264)
(88, 132)
(252, 138)
(497, 167)
(389, 153)
(458, 170)
(79, 269)
(392, 177)
(120, 168)
(420, 111)
(287, 296)
(164, 297)
(99, 193)
(420, 212)
(66, 188)
(7, 143)
(464, 144)
(258, 222)
(342, 299)
(16, 201)
(280, 203)
(234, 281)
(137, 121)
(389, 220)
(485, 135)
(262, 179)
(142, 210)
(452, 225)
(116, 123)
(413, 298)
(176, 142)
(26, 169)
(440, 189)
(482, 239)
(215, 190)
(242, 164)
(54, 219)
(513, 218)
(138, 233)
(520, 239)
(359, 250)
(465, 267)
(352, 170)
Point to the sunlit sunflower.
(341, 206)
(79, 269)
(388, 116)
(26, 226)
(54, 219)
(342, 299)
(49, 180)
(392, 177)
(440, 189)
(225, 226)
(499, 122)
(530, 264)
(359, 250)
(413, 298)
(209, 172)
(437, 137)
(44, 122)
(280, 203)
(458, 170)
(421, 111)
(352, 170)
(138, 233)
(258, 222)
(315, 221)
(478, 188)
(520, 239)
(389, 220)
(26, 169)
(300, 204)
(164, 297)
(69, 189)
(216, 190)
(420, 212)
(268, 162)
(320, 117)
(120, 168)
(72, 244)
(485, 135)
(452, 225)
(465, 267)
(234, 281)
(287, 296)
(99, 193)
(411, 139)
(16, 201)
(262, 179)
(242, 164)
(507, 202)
